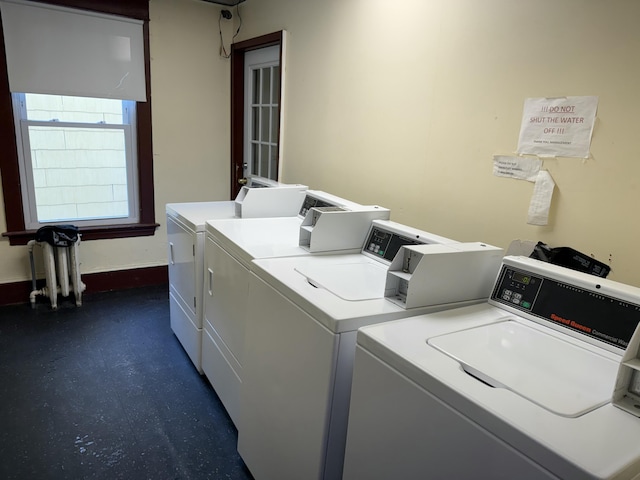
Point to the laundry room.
(414, 114)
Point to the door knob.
(242, 181)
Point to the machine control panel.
(582, 310)
(385, 244)
(520, 289)
(312, 202)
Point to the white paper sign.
(558, 127)
(522, 168)
(541, 199)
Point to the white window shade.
(64, 51)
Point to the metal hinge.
(193, 248)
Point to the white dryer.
(302, 318)
(517, 387)
(185, 235)
(230, 247)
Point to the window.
(121, 205)
(77, 161)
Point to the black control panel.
(386, 244)
(581, 310)
(312, 202)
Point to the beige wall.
(404, 104)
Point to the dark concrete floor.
(105, 391)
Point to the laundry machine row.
(231, 246)
(302, 316)
(261, 197)
(520, 386)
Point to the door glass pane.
(255, 86)
(264, 125)
(266, 85)
(255, 160)
(274, 124)
(273, 161)
(255, 122)
(275, 90)
(264, 160)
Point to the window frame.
(17, 233)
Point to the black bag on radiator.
(58, 235)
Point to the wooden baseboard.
(18, 292)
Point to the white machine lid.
(251, 238)
(562, 377)
(335, 313)
(195, 214)
(351, 280)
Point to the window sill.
(93, 233)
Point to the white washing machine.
(302, 318)
(230, 247)
(517, 387)
(185, 234)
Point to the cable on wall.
(227, 15)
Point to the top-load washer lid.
(540, 366)
(351, 280)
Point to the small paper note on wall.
(520, 168)
(541, 199)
